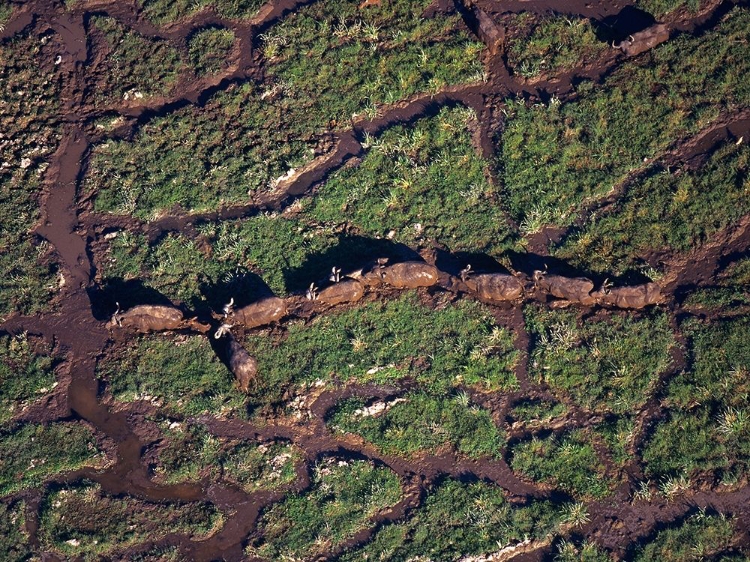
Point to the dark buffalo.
(243, 365)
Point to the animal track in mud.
(84, 338)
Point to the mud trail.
(82, 339)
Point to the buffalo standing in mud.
(147, 318)
(572, 289)
(409, 275)
(644, 40)
(344, 291)
(258, 313)
(637, 296)
(495, 286)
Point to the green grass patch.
(460, 519)
(658, 8)
(617, 434)
(6, 10)
(708, 427)
(179, 373)
(424, 423)
(553, 157)
(700, 537)
(568, 462)
(580, 551)
(190, 453)
(165, 11)
(81, 520)
(422, 182)
(665, 212)
(384, 342)
(545, 45)
(532, 410)
(31, 131)
(26, 373)
(251, 138)
(730, 291)
(174, 266)
(32, 453)
(134, 67)
(243, 145)
(14, 541)
(343, 498)
(210, 49)
(286, 254)
(336, 59)
(607, 365)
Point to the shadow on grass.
(351, 253)
(628, 21)
(241, 285)
(113, 291)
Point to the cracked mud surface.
(125, 431)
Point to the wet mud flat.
(84, 339)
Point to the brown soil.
(82, 340)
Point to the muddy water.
(83, 339)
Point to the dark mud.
(81, 339)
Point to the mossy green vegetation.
(543, 45)
(81, 520)
(731, 291)
(460, 519)
(283, 126)
(210, 49)
(665, 212)
(617, 433)
(384, 342)
(174, 266)
(30, 133)
(179, 373)
(580, 551)
(243, 145)
(699, 537)
(344, 496)
(6, 11)
(14, 541)
(422, 423)
(537, 410)
(708, 426)
(26, 373)
(608, 365)
(568, 462)
(338, 59)
(554, 157)
(659, 8)
(190, 453)
(32, 453)
(238, 259)
(423, 181)
(166, 11)
(134, 67)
